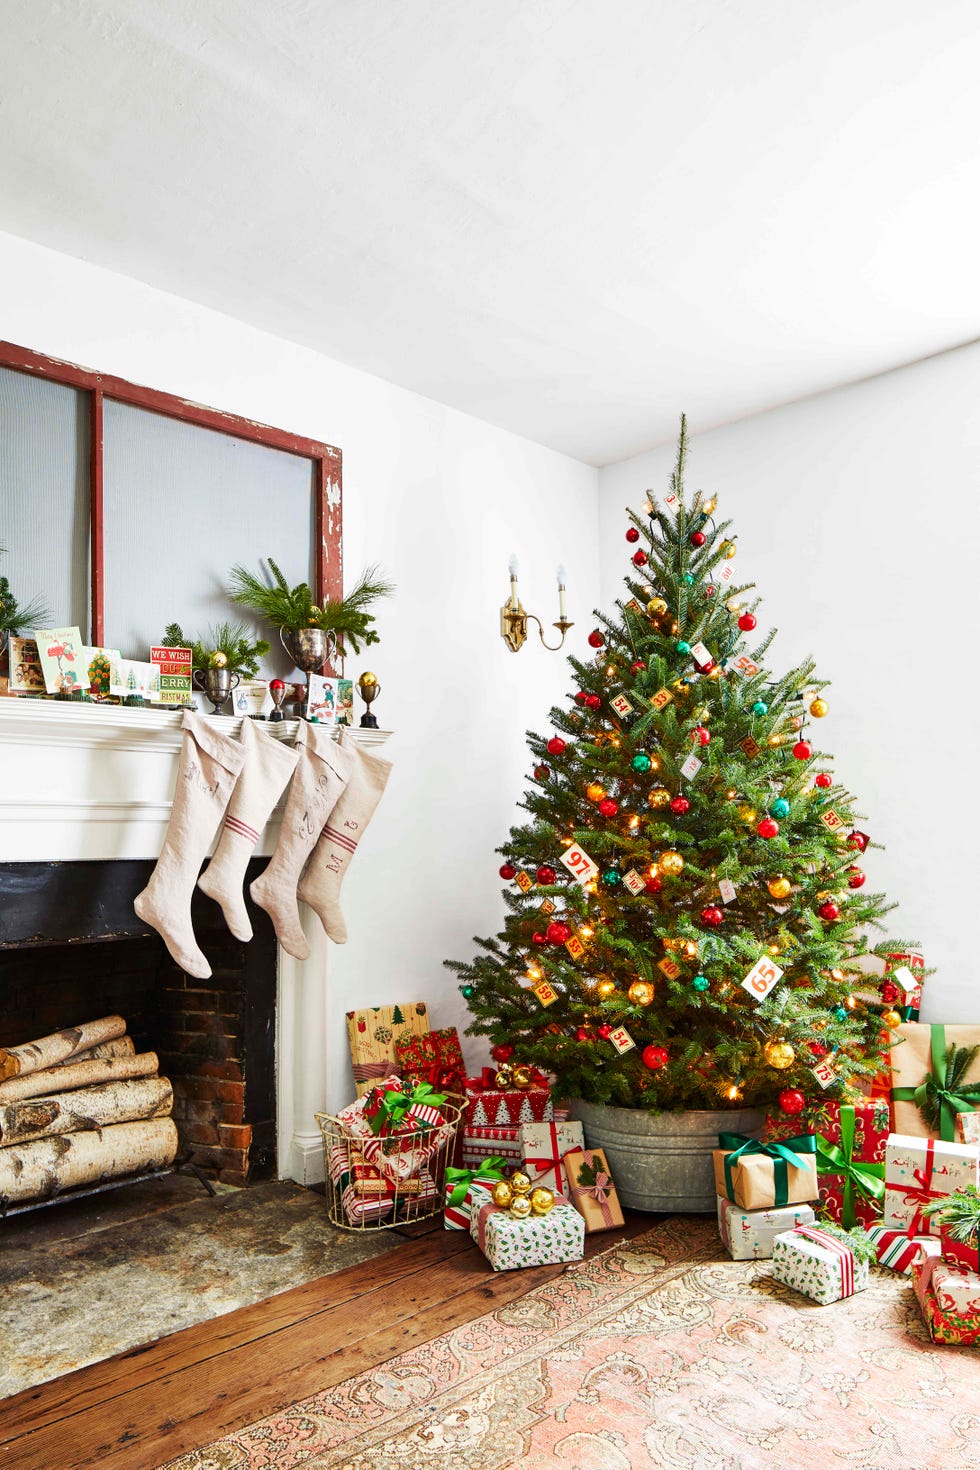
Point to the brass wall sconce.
(514, 620)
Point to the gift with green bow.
(935, 1076)
(850, 1144)
(759, 1176)
(467, 1187)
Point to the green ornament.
(641, 762)
(611, 877)
(760, 707)
(839, 1013)
(467, 991)
(700, 982)
(688, 579)
(682, 647)
(780, 807)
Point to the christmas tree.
(687, 917)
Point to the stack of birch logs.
(78, 1107)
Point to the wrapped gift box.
(491, 1107)
(959, 1252)
(398, 1146)
(818, 1264)
(919, 1052)
(870, 1120)
(362, 1209)
(747, 1235)
(458, 1216)
(591, 1188)
(899, 1251)
(464, 1185)
(919, 1170)
(483, 1143)
(949, 1301)
(435, 1057)
(851, 1142)
(760, 1180)
(372, 1034)
(540, 1240)
(542, 1147)
(967, 1127)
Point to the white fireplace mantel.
(95, 782)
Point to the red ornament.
(768, 828)
(889, 992)
(581, 696)
(747, 622)
(829, 911)
(803, 750)
(655, 1057)
(639, 558)
(823, 780)
(583, 1035)
(608, 807)
(817, 1048)
(605, 1030)
(555, 745)
(680, 805)
(632, 535)
(701, 734)
(594, 701)
(541, 773)
(698, 538)
(546, 874)
(707, 666)
(858, 840)
(856, 879)
(596, 639)
(275, 685)
(539, 939)
(712, 916)
(637, 667)
(653, 884)
(508, 871)
(558, 931)
(792, 1101)
(502, 1053)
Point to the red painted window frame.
(326, 458)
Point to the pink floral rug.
(661, 1354)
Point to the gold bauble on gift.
(502, 1194)
(519, 1182)
(605, 989)
(779, 1054)
(542, 1200)
(891, 1019)
(656, 607)
(780, 887)
(641, 993)
(659, 797)
(504, 1078)
(671, 863)
(521, 1078)
(819, 708)
(520, 1206)
(594, 791)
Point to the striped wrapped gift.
(483, 1143)
(899, 1251)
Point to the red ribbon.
(837, 1247)
(487, 1081)
(921, 1193)
(599, 1191)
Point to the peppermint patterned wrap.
(818, 1270)
(372, 1034)
(918, 1170)
(747, 1235)
(542, 1148)
(540, 1240)
(949, 1301)
(458, 1217)
(436, 1058)
(899, 1251)
(360, 1208)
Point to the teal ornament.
(682, 647)
(467, 991)
(780, 807)
(688, 579)
(760, 707)
(641, 762)
(700, 982)
(839, 1013)
(611, 877)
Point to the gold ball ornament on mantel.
(368, 680)
(779, 1055)
(780, 887)
(218, 660)
(520, 1206)
(542, 1200)
(519, 1182)
(641, 993)
(671, 863)
(658, 797)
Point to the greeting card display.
(26, 673)
(60, 652)
(330, 701)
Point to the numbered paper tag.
(545, 992)
(670, 501)
(824, 1072)
(621, 705)
(691, 767)
(761, 978)
(661, 699)
(634, 607)
(743, 665)
(548, 907)
(524, 882)
(575, 947)
(725, 573)
(633, 883)
(904, 978)
(727, 890)
(579, 864)
(622, 1040)
(751, 747)
(701, 654)
(831, 820)
(670, 968)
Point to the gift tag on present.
(905, 980)
(762, 977)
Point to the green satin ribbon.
(461, 1179)
(392, 1106)
(950, 1103)
(867, 1179)
(784, 1155)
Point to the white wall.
(857, 516)
(439, 499)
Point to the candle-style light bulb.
(561, 591)
(512, 566)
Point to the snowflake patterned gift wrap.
(538, 1240)
(949, 1301)
(900, 1251)
(818, 1264)
(747, 1235)
(918, 1170)
(371, 1034)
(542, 1147)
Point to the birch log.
(121, 1046)
(79, 1074)
(48, 1051)
(50, 1165)
(89, 1107)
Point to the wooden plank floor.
(137, 1410)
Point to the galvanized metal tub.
(662, 1162)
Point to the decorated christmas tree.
(687, 921)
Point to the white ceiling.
(573, 218)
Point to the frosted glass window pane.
(182, 506)
(44, 495)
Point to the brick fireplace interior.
(72, 949)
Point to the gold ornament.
(520, 1207)
(542, 1200)
(519, 1182)
(658, 797)
(656, 607)
(594, 791)
(368, 680)
(780, 887)
(891, 1019)
(689, 949)
(671, 863)
(819, 708)
(521, 1078)
(779, 1054)
(218, 660)
(502, 1194)
(747, 813)
(316, 612)
(504, 1078)
(641, 993)
(605, 989)
(728, 549)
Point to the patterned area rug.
(661, 1354)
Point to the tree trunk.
(50, 1165)
(90, 1107)
(48, 1051)
(122, 1046)
(84, 1073)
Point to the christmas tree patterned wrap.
(850, 1142)
(538, 1240)
(918, 1171)
(747, 1235)
(898, 1251)
(372, 1033)
(436, 1058)
(949, 1301)
(818, 1264)
(488, 1106)
(591, 1188)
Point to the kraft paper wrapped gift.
(919, 1170)
(538, 1240)
(818, 1264)
(949, 1301)
(899, 1251)
(851, 1142)
(371, 1035)
(747, 1235)
(918, 1057)
(761, 1176)
(591, 1188)
(543, 1146)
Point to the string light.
(734, 1093)
(851, 1002)
(566, 842)
(586, 932)
(775, 740)
(634, 823)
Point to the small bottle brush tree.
(686, 912)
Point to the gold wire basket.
(363, 1196)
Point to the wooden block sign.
(763, 975)
(670, 968)
(524, 882)
(579, 864)
(622, 1040)
(621, 705)
(633, 883)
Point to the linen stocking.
(209, 767)
(320, 885)
(318, 780)
(269, 763)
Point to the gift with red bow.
(436, 1058)
(591, 1189)
(919, 1171)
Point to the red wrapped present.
(436, 1058)
(397, 1127)
(898, 1250)
(465, 1186)
(483, 1143)
(949, 1301)
(851, 1141)
(489, 1106)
